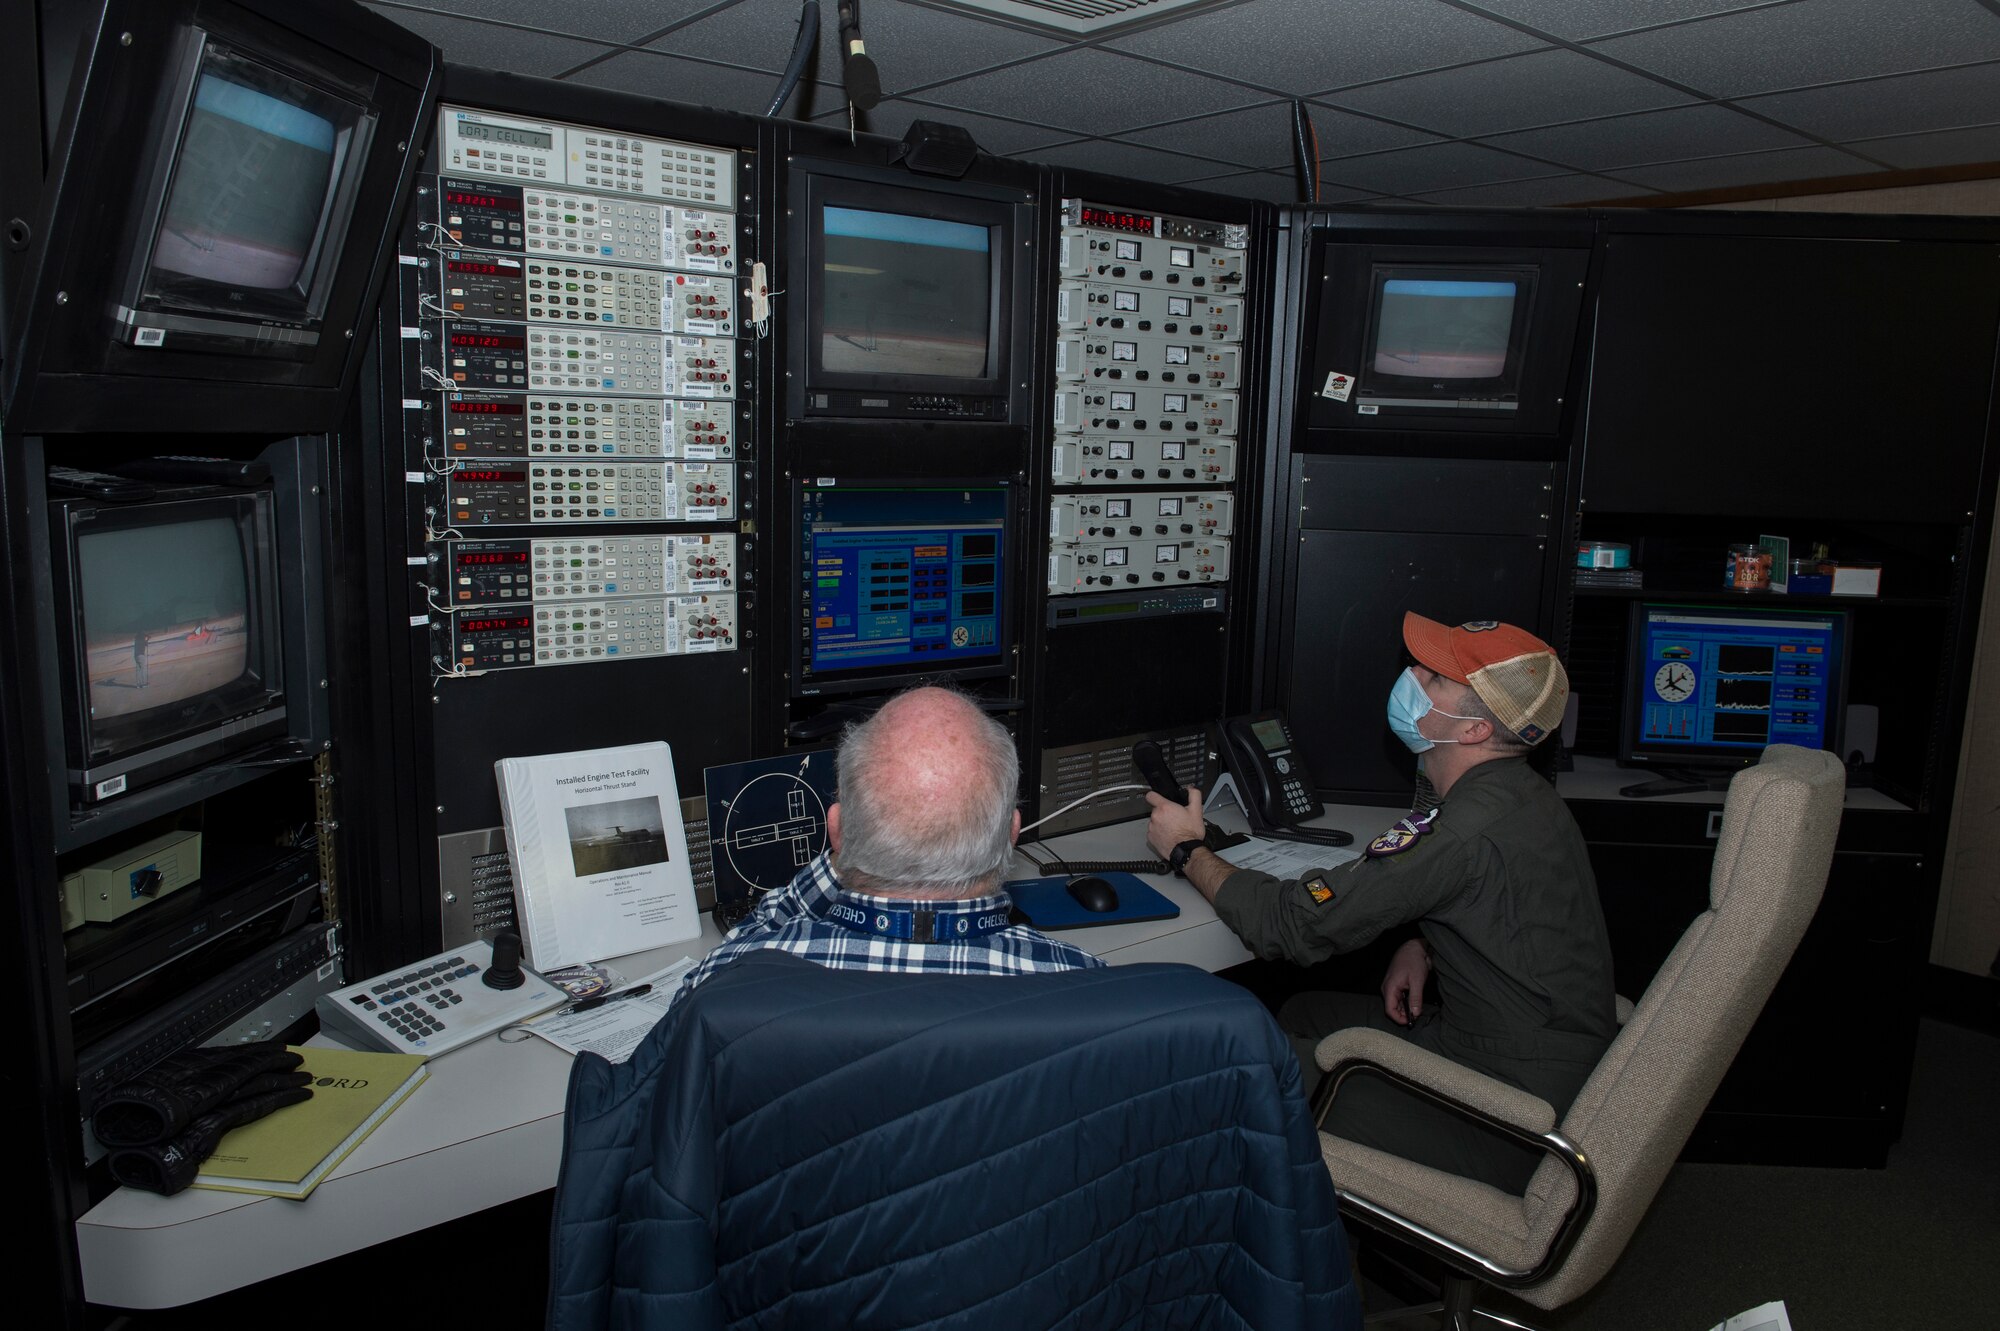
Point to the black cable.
(1302, 145)
(802, 49)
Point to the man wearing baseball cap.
(1495, 879)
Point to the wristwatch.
(1180, 854)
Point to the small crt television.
(908, 294)
(1476, 339)
(256, 202)
(223, 195)
(1447, 336)
(170, 641)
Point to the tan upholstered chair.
(1607, 1158)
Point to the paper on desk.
(614, 1030)
(1770, 1317)
(1286, 859)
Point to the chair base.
(1436, 1317)
(1455, 1313)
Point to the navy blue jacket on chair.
(795, 1146)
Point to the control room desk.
(485, 1128)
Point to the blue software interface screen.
(1721, 681)
(902, 577)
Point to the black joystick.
(505, 970)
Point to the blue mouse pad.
(1049, 906)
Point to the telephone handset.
(1273, 779)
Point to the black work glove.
(167, 1167)
(162, 1104)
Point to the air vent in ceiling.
(1081, 18)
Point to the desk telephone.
(1270, 774)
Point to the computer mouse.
(1094, 894)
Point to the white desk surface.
(1602, 779)
(485, 1128)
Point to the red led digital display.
(488, 340)
(489, 474)
(487, 408)
(1137, 223)
(461, 266)
(516, 624)
(501, 557)
(467, 199)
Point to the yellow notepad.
(286, 1153)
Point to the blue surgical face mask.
(1409, 704)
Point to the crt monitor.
(900, 581)
(1471, 339)
(907, 298)
(170, 638)
(1446, 336)
(223, 200)
(259, 193)
(1707, 687)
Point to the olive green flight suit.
(1500, 886)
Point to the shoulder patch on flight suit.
(1402, 836)
(1318, 889)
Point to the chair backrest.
(800, 1146)
(1635, 1113)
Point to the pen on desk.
(589, 1003)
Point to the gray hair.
(897, 838)
(1504, 740)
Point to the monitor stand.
(1678, 781)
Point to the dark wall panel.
(1786, 377)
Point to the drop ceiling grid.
(1429, 100)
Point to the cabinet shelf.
(1723, 596)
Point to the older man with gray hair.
(918, 843)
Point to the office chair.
(800, 1146)
(1607, 1158)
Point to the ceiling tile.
(491, 46)
(1945, 148)
(1906, 104)
(911, 46)
(1546, 192)
(1273, 187)
(1541, 88)
(748, 91)
(1746, 169)
(1091, 91)
(1797, 46)
(1654, 136)
(1302, 46)
(1433, 167)
(1124, 159)
(615, 21)
(1002, 138)
(1262, 136)
(1574, 20)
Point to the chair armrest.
(1468, 1094)
(1363, 1046)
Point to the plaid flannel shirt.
(794, 919)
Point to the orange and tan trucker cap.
(1514, 673)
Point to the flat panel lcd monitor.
(905, 296)
(897, 581)
(1709, 687)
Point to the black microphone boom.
(857, 72)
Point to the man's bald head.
(927, 789)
